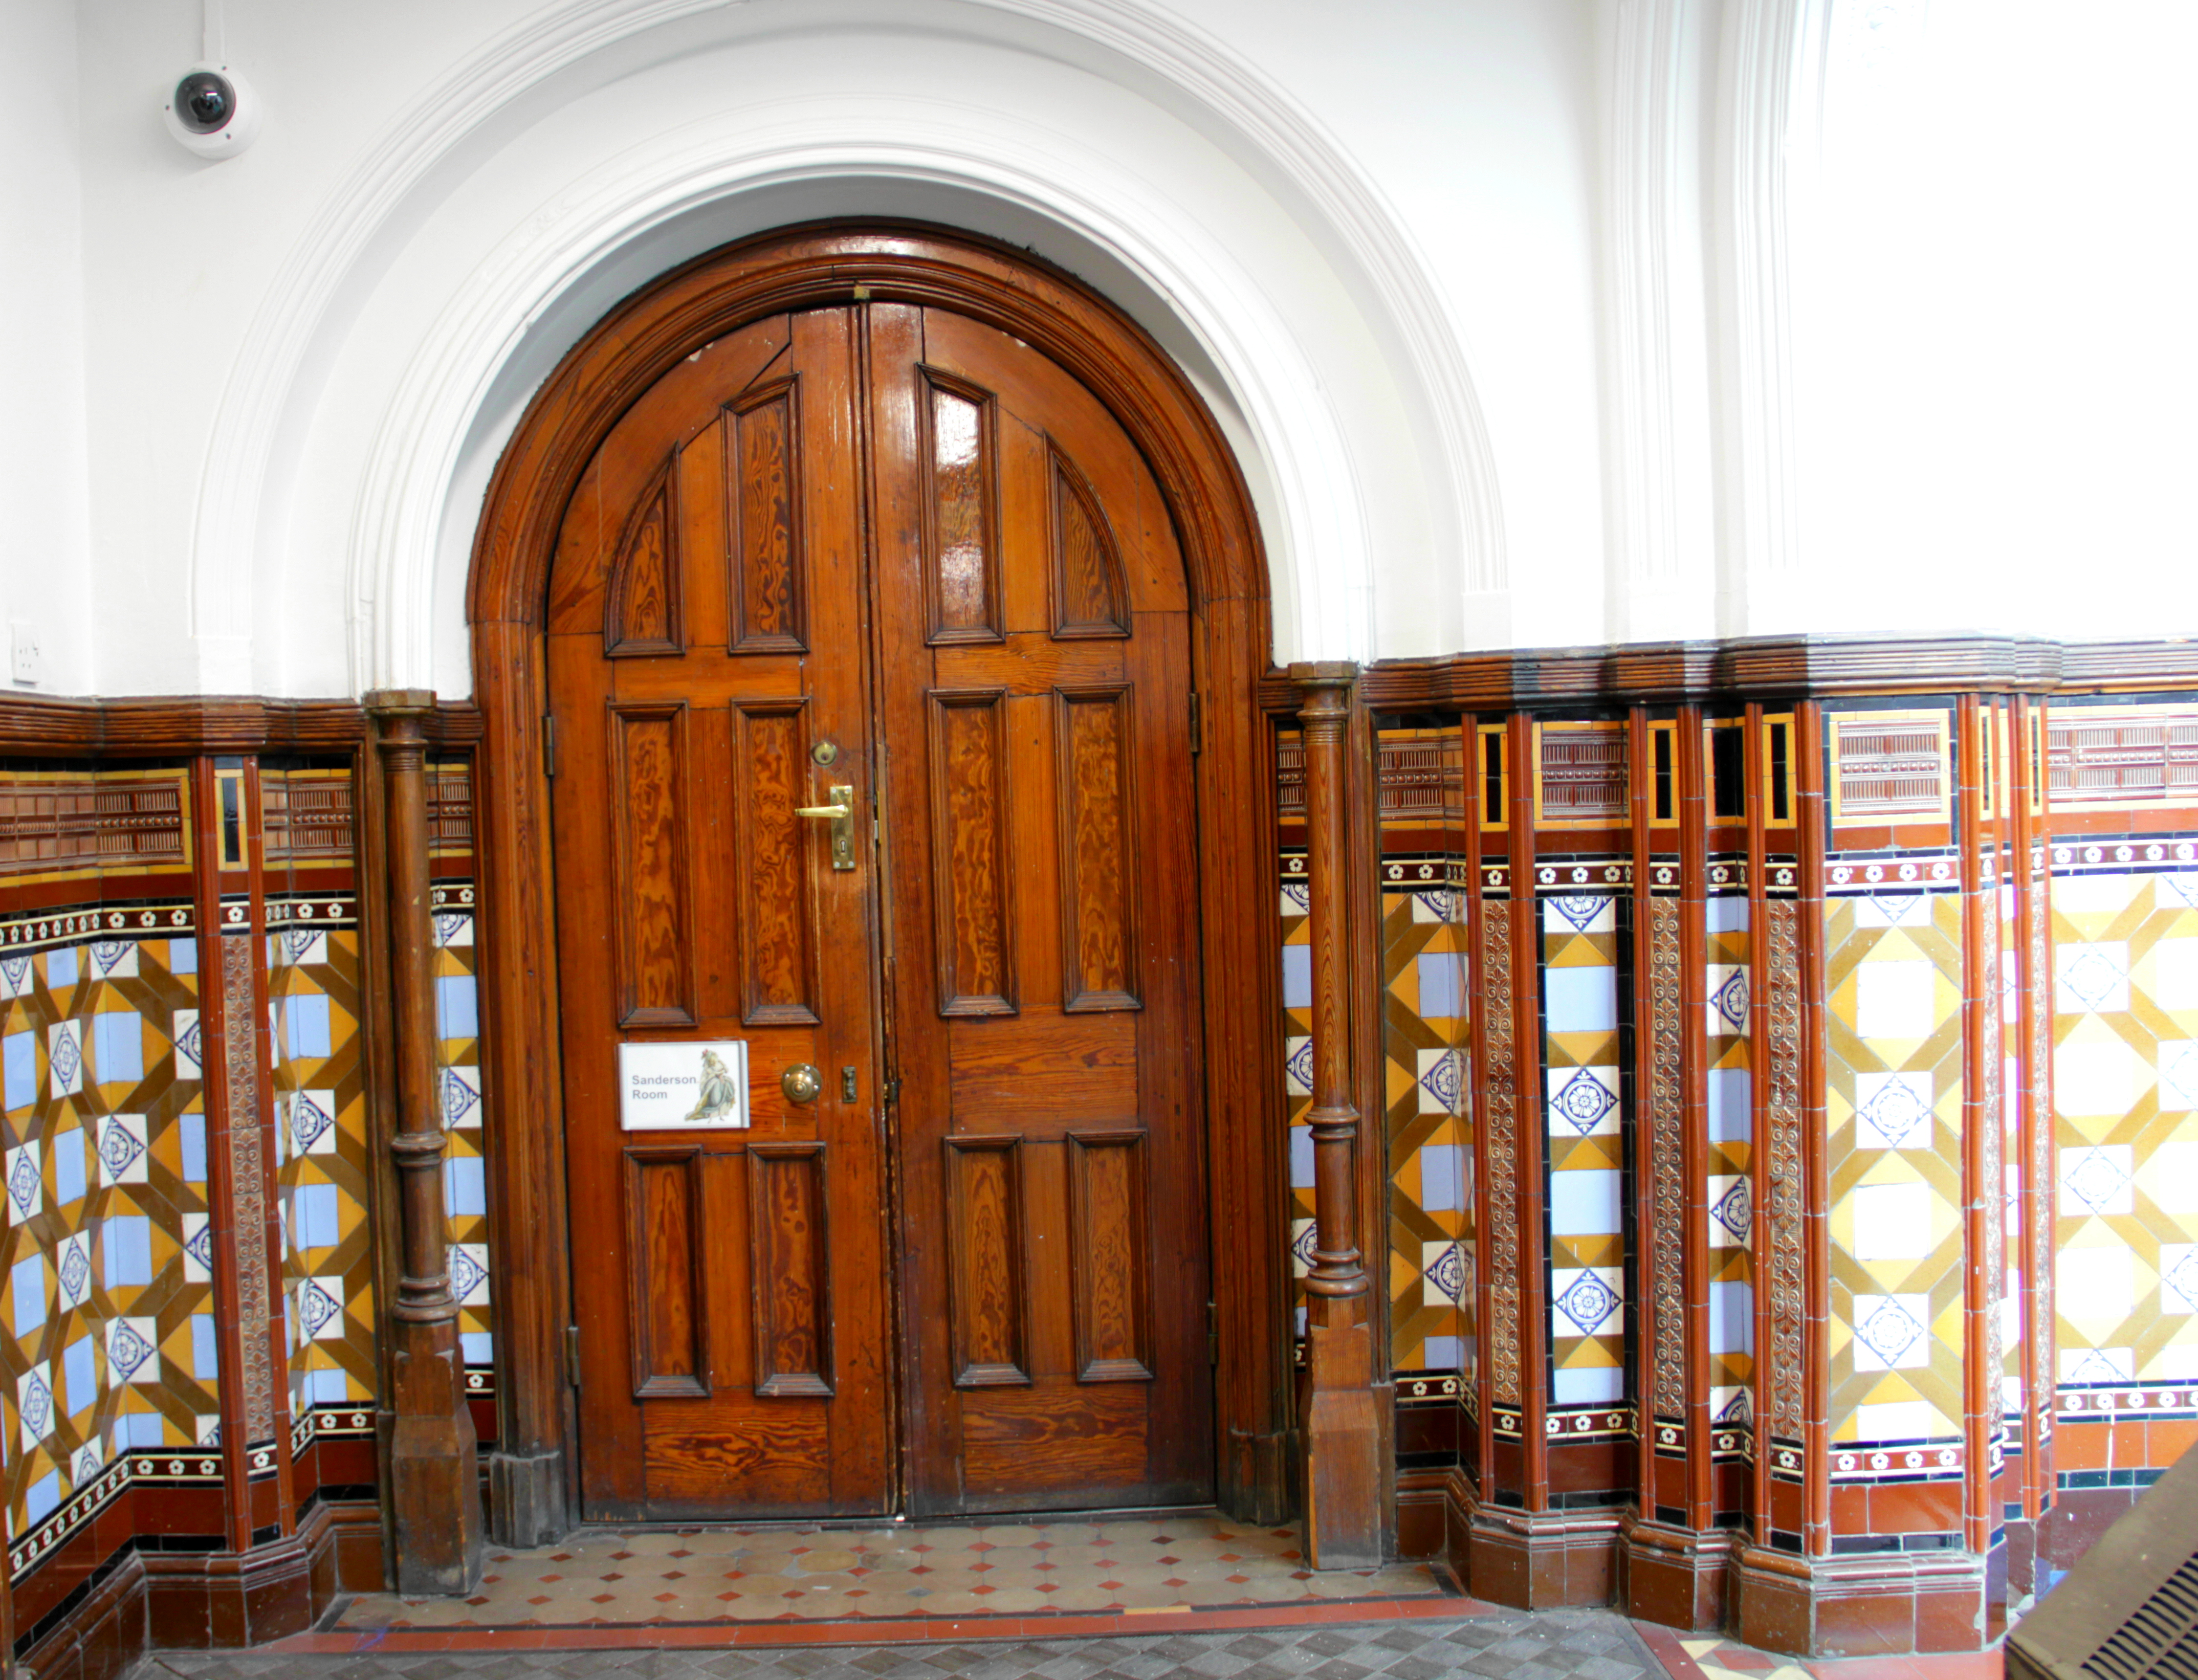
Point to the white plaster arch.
(1315, 472)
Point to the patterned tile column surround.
(2122, 776)
(247, 1243)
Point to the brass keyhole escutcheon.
(840, 814)
(825, 752)
(801, 1083)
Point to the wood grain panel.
(763, 491)
(1043, 1066)
(641, 610)
(1098, 860)
(790, 1265)
(985, 1221)
(972, 899)
(1090, 597)
(961, 526)
(1053, 1439)
(663, 1198)
(737, 1455)
(776, 922)
(1108, 1256)
(648, 785)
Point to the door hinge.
(549, 747)
(892, 1089)
(1197, 726)
(572, 1354)
(1213, 1333)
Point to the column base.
(1879, 1604)
(1675, 1576)
(1531, 1560)
(1258, 1481)
(527, 1504)
(433, 1474)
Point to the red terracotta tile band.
(1663, 1645)
(896, 1632)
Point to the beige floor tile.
(1082, 1598)
(822, 1559)
(885, 1604)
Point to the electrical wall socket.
(29, 663)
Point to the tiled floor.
(1560, 1645)
(807, 1574)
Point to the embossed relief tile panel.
(322, 1163)
(109, 1344)
(1894, 1155)
(2125, 1088)
(1424, 1040)
(1584, 1119)
(1731, 1159)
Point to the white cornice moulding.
(1271, 130)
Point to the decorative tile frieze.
(1857, 874)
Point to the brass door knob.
(801, 1083)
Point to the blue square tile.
(318, 1216)
(1580, 999)
(61, 968)
(79, 1375)
(1586, 1203)
(118, 1047)
(1442, 1181)
(18, 1067)
(205, 1357)
(193, 1140)
(1441, 986)
(1730, 1119)
(1732, 1318)
(127, 1247)
(1728, 916)
(41, 1498)
(69, 1166)
(305, 1021)
(29, 1278)
(465, 1185)
(1596, 1385)
(1297, 977)
(183, 957)
(455, 1015)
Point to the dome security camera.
(213, 112)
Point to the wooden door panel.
(992, 1275)
(1098, 826)
(642, 616)
(973, 911)
(961, 504)
(734, 1457)
(788, 1222)
(650, 881)
(770, 584)
(1110, 1286)
(663, 1199)
(1057, 1446)
(777, 914)
(1037, 1069)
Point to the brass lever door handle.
(842, 811)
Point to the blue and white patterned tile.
(1891, 1333)
(1894, 1111)
(1582, 1102)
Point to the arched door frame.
(533, 1491)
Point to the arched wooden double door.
(884, 556)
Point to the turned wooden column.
(429, 1450)
(1343, 1466)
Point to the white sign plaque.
(688, 1087)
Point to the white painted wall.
(45, 574)
(1502, 301)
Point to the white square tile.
(2096, 1283)
(2175, 973)
(1587, 1203)
(1893, 910)
(1582, 1102)
(1891, 1222)
(2178, 1278)
(2097, 1077)
(2096, 1180)
(1895, 999)
(1585, 1301)
(1444, 1266)
(1732, 1210)
(2175, 893)
(133, 1350)
(2098, 1364)
(35, 1407)
(25, 1182)
(1728, 1000)
(65, 1058)
(2169, 1178)
(1891, 1333)
(2179, 1074)
(1582, 913)
(2093, 977)
(1442, 1082)
(1297, 1066)
(1892, 1111)
(1898, 1420)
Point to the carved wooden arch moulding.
(533, 1497)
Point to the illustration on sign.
(683, 1087)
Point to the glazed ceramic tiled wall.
(2124, 997)
(457, 1010)
(1894, 1094)
(1584, 1116)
